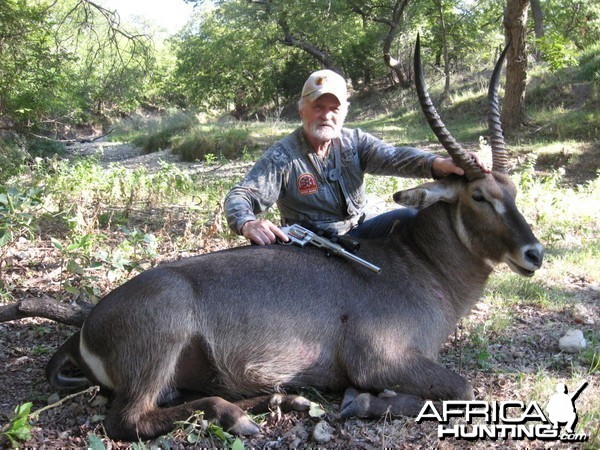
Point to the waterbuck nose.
(535, 255)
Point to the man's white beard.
(324, 133)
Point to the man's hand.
(442, 167)
(263, 232)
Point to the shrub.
(45, 148)
(589, 64)
(230, 143)
(12, 159)
(169, 128)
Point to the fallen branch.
(47, 308)
(93, 390)
(72, 141)
(83, 141)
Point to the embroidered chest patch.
(307, 184)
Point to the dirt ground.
(510, 373)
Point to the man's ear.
(427, 194)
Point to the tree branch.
(289, 39)
(47, 308)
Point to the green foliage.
(589, 64)
(225, 61)
(252, 55)
(29, 67)
(65, 62)
(12, 159)
(19, 429)
(44, 148)
(77, 198)
(76, 260)
(472, 31)
(79, 189)
(557, 51)
(70, 62)
(83, 260)
(16, 153)
(196, 429)
(17, 207)
(95, 443)
(220, 143)
(577, 22)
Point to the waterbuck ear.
(426, 194)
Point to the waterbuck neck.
(434, 237)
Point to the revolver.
(301, 236)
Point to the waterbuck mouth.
(519, 269)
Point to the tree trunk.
(538, 18)
(538, 23)
(444, 33)
(393, 29)
(393, 21)
(513, 110)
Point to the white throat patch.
(95, 364)
(461, 231)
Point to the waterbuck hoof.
(289, 403)
(300, 404)
(359, 406)
(349, 395)
(244, 427)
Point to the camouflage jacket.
(327, 194)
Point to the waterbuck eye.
(478, 196)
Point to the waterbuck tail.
(65, 359)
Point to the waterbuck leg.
(140, 419)
(425, 378)
(266, 403)
(416, 377)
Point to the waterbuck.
(236, 325)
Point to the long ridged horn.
(458, 154)
(499, 153)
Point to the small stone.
(323, 432)
(53, 399)
(64, 435)
(297, 432)
(582, 314)
(483, 307)
(572, 342)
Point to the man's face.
(323, 119)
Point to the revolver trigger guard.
(279, 241)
